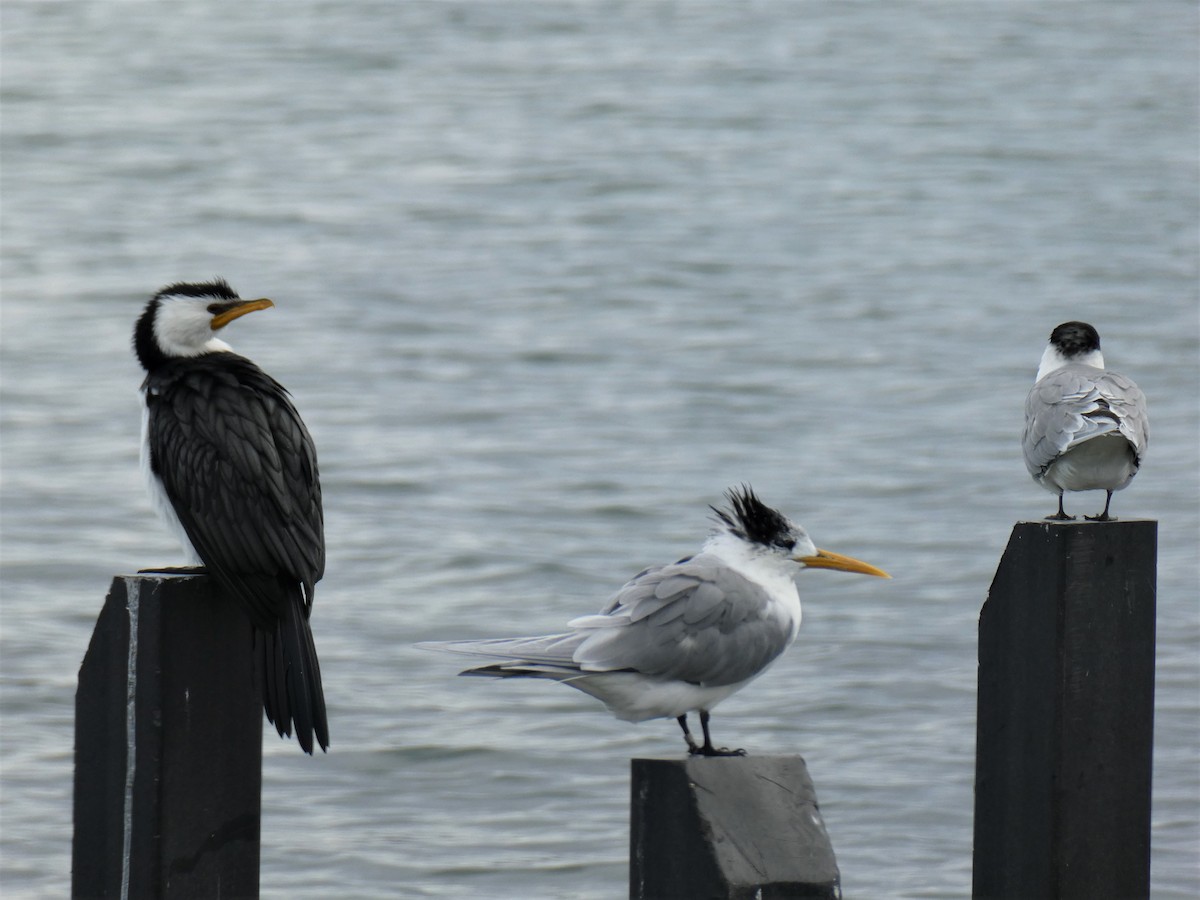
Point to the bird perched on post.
(232, 470)
(1085, 426)
(681, 637)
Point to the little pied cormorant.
(231, 468)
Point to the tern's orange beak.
(221, 319)
(826, 560)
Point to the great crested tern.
(681, 637)
(1085, 426)
(232, 470)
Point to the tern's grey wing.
(697, 620)
(1129, 403)
(1076, 403)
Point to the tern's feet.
(707, 749)
(710, 750)
(1060, 517)
(1103, 517)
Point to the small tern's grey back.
(1076, 404)
(1085, 427)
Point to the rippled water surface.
(549, 277)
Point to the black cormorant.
(232, 469)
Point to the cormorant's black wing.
(240, 470)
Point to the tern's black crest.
(750, 518)
(1075, 338)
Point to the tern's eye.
(786, 543)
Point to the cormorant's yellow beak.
(239, 309)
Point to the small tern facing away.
(684, 636)
(1085, 427)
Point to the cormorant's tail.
(291, 677)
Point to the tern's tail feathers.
(517, 669)
(547, 649)
(1099, 421)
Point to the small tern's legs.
(1061, 515)
(708, 749)
(1104, 516)
(693, 747)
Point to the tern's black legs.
(1104, 516)
(693, 747)
(1061, 515)
(707, 749)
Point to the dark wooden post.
(729, 828)
(168, 746)
(1066, 714)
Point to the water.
(549, 278)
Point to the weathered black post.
(1066, 714)
(732, 828)
(168, 746)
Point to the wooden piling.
(168, 746)
(1066, 714)
(733, 828)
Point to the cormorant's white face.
(187, 316)
(183, 326)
